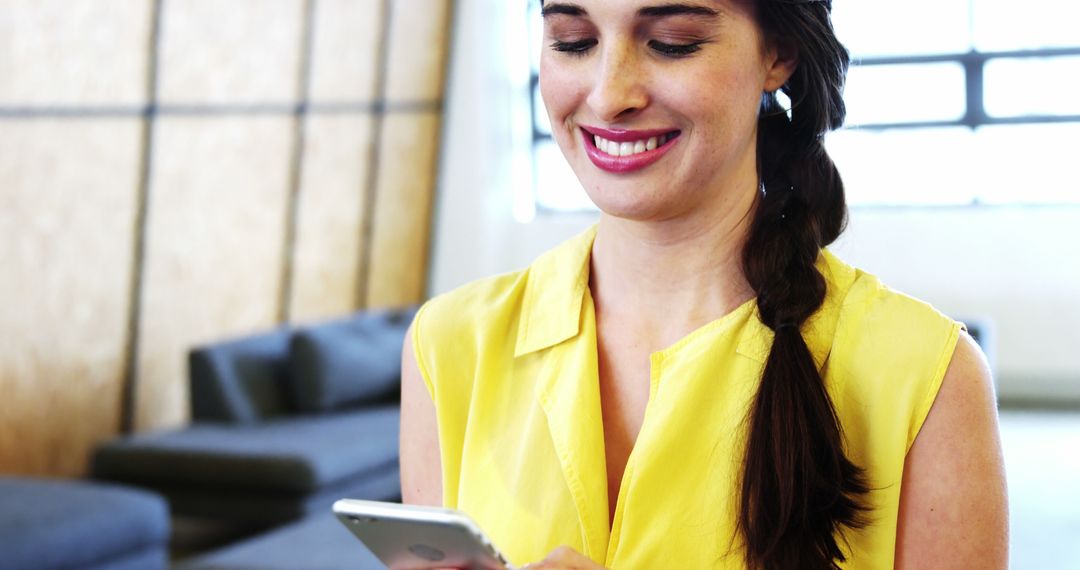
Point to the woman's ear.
(781, 59)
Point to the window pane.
(888, 27)
(905, 93)
(910, 166)
(1032, 86)
(1031, 24)
(557, 188)
(1028, 164)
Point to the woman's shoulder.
(883, 333)
(477, 303)
(494, 305)
(889, 346)
(867, 307)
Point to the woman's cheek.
(554, 87)
(561, 95)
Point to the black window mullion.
(975, 114)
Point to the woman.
(695, 382)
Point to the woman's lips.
(622, 151)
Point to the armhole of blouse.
(418, 352)
(922, 408)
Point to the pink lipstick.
(621, 151)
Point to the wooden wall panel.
(215, 241)
(402, 217)
(330, 217)
(408, 153)
(238, 51)
(67, 217)
(64, 52)
(218, 208)
(416, 54)
(345, 49)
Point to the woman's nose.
(618, 90)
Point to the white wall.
(1019, 267)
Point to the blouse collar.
(557, 282)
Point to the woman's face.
(654, 102)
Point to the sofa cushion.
(286, 455)
(317, 542)
(263, 508)
(241, 380)
(49, 523)
(148, 558)
(348, 362)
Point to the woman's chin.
(627, 206)
(642, 198)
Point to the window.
(950, 102)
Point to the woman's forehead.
(645, 6)
(646, 9)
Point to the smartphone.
(409, 537)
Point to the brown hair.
(799, 489)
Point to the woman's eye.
(674, 50)
(577, 47)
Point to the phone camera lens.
(427, 552)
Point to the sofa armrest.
(240, 381)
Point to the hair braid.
(799, 489)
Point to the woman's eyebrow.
(550, 8)
(677, 10)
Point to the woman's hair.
(799, 489)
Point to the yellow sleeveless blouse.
(510, 363)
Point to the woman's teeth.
(628, 148)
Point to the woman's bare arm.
(953, 504)
(421, 465)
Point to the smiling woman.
(695, 382)
(711, 71)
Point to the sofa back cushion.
(348, 362)
(243, 380)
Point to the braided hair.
(799, 489)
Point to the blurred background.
(176, 172)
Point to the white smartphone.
(409, 537)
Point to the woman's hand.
(564, 558)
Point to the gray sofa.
(54, 524)
(283, 424)
(317, 542)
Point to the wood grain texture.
(402, 217)
(330, 217)
(344, 58)
(215, 237)
(67, 218)
(240, 51)
(416, 53)
(62, 52)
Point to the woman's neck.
(672, 276)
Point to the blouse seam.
(418, 353)
(934, 386)
(615, 538)
(576, 487)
